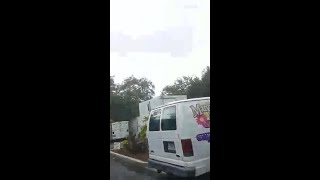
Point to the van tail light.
(187, 147)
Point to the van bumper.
(170, 168)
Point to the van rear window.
(168, 120)
(154, 124)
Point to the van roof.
(185, 100)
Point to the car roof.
(181, 101)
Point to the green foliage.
(137, 146)
(193, 87)
(113, 86)
(145, 119)
(122, 108)
(125, 143)
(180, 86)
(205, 79)
(143, 133)
(136, 89)
(125, 97)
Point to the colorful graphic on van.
(202, 114)
(204, 137)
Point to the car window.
(168, 120)
(154, 123)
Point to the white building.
(145, 108)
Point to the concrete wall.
(137, 123)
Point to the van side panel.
(195, 121)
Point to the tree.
(113, 86)
(125, 98)
(196, 89)
(193, 87)
(200, 87)
(180, 86)
(120, 108)
(137, 89)
(206, 81)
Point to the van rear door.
(153, 133)
(163, 139)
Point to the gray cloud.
(177, 41)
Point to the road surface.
(122, 169)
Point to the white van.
(179, 137)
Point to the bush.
(125, 144)
(136, 146)
(143, 133)
(139, 145)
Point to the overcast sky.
(159, 39)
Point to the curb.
(130, 158)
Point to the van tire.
(159, 171)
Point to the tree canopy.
(193, 87)
(125, 97)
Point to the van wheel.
(159, 171)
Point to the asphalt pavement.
(123, 169)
